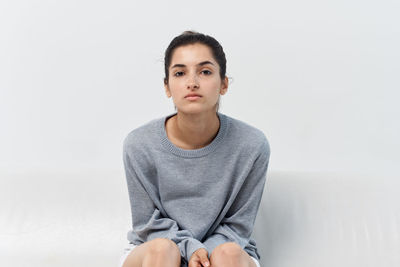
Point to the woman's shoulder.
(247, 133)
(142, 134)
(247, 139)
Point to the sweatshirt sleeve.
(238, 223)
(147, 220)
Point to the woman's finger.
(203, 255)
(194, 262)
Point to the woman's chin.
(192, 109)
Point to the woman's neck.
(192, 131)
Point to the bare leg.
(232, 255)
(159, 252)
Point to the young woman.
(195, 177)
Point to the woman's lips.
(192, 98)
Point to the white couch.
(305, 219)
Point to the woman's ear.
(167, 91)
(224, 85)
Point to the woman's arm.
(238, 223)
(147, 220)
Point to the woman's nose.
(192, 82)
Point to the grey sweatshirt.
(197, 198)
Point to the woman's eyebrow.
(200, 64)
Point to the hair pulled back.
(192, 37)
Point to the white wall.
(320, 78)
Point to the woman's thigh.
(230, 253)
(134, 255)
(127, 250)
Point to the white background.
(319, 78)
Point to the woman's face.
(193, 70)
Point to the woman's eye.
(206, 72)
(178, 73)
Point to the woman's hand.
(199, 258)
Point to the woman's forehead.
(192, 54)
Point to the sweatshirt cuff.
(213, 241)
(188, 246)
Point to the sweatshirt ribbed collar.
(192, 153)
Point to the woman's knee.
(228, 249)
(230, 254)
(157, 249)
(163, 246)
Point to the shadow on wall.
(328, 219)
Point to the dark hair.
(192, 37)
